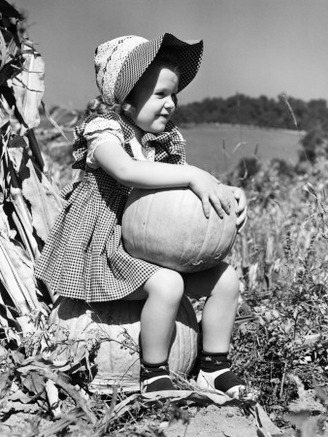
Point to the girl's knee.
(167, 284)
(231, 275)
(230, 279)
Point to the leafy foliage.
(285, 278)
(261, 111)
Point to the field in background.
(218, 148)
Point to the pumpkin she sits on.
(168, 227)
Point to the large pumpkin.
(168, 227)
(116, 324)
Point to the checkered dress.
(83, 257)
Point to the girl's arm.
(145, 174)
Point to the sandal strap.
(223, 381)
(157, 383)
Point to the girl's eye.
(162, 95)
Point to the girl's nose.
(169, 103)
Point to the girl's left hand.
(241, 208)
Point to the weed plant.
(284, 280)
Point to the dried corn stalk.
(29, 203)
(28, 88)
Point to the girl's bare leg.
(165, 290)
(163, 293)
(221, 286)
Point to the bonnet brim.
(188, 55)
(140, 54)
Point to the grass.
(285, 287)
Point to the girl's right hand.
(210, 191)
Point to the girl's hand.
(241, 208)
(210, 192)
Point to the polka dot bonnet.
(121, 62)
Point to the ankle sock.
(215, 374)
(211, 362)
(155, 377)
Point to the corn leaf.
(4, 226)
(16, 269)
(22, 234)
(4, 138)
(11, 49)
(17, 273)
(28, 87)
(44, 200)
(24, 218)
(4, 112)
(7, 318)
(35, 148)
(3, 51)
(10, 281)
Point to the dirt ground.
(225, 421)
(196, 415)
(215, 421)
(210, 421)
(207, 415)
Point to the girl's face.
(154, 98)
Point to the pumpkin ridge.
(233, 210)
(186, 235)
(196, 211)
(206, 239)
(228, 228)
(148, 216)
(135, 215)
(157, 228)
(219, 256)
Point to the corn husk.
(28, 87)
(12, 274)
(44, 201)
(29, 203)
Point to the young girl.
(126, 141)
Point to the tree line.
(282, 112)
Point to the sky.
(252, 47)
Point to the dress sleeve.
(98, 131)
